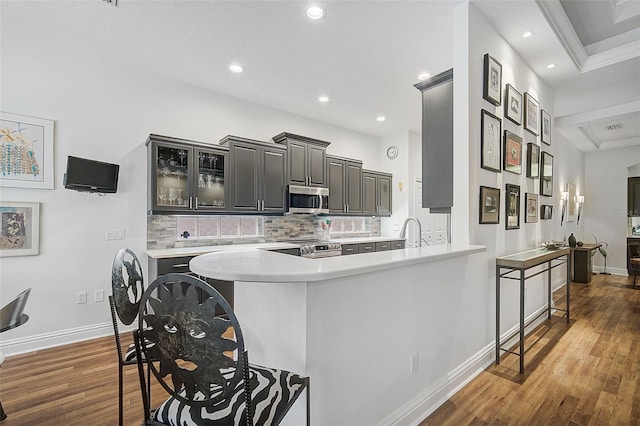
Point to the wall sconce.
(565, 198)
(580, 203)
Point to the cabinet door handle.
(347, 208)
(258, 205)
(262, 205)
(180, 265)
(195, 205)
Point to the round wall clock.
(392, 152)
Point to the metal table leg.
(497, 315)
(549, 296)
(522, 321)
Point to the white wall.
(605, 207)
(568, 166)
(106, 111)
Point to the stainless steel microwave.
(307, 199)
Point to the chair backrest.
(201, 356)
(127, 285)
(11, 315)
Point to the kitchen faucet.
(403, 231)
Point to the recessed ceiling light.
(236, 68)
(315, 12)
(527, 34)
(380, 118)
(551, 66)
(423, 76)
(323, 99)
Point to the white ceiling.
(364, 55)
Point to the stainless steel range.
(313, 249)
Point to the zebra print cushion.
(273, 393)
(130, 355)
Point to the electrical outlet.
(98, 296)
(81, 297)
(414, 363)
(114, 234)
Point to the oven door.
(304, 199)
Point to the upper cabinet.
(633, 196)
(185, 176)
(257, 177)
(437, 142)
(344, 180)
(306, 159)
(376, 193)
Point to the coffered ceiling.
(364, 55)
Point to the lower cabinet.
(158, 267)
(371, 247)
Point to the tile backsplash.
(165, 231)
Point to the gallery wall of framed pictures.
(524, 137)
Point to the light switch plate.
(114, 234)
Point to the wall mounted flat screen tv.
(91, 176)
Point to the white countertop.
(196, 251)
(255, 265)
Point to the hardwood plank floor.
(71, 385)
(584, 373)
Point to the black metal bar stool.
(11, 316)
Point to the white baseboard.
(58, 338)
(426, 402)
(612, 271)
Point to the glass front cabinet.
(185, 176)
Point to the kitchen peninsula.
(348, 322)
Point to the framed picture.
(531, 113)
(26, 152)
(571, 202)
(492, 87)
(546, 174)
(546, 211)
(512, 206)
(489, 205)
(545, 130)
(533, 160)
(20, 229)
(490, 139)
(531, 207)
(513, 105)
(512, 152)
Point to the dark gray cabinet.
(257, 175)
(633, 196)
(344, 180)
(437, 142)
(185, 176)
(376, 193)
(306, 159)
(370, 247)
(180, 265)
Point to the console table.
(514, 267)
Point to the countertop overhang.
(259, 265)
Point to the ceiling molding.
(561, 25)
(583, 118)
(612, 56)
(564, 30)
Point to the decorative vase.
(572, 241)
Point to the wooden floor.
(71, 385)
(584, 373)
